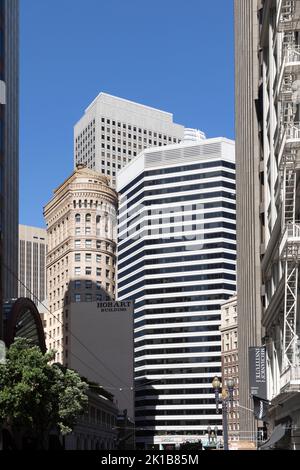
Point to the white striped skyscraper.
(176, 259)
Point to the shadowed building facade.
(9, 146)
(248, 197)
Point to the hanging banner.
(261, 408)
(258, 372)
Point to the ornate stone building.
(230, 363)
(81, 254)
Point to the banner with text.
(258, 372)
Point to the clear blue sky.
(171, 54)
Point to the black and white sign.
(258, 372)
(110, 306)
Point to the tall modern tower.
(113, 130)
(176, 260)
(268, 213)
(32, 263)
(9, 138)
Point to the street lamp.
(226, 399)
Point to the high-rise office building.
(113, 130)
(32, 263)
(9, 154)
(268, 145)
(176, 260)
(248, 198)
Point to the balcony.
(290, 242)
(288, 17)
(290, 380)
(290, 65)
(291, 137)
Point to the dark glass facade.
(9, 144)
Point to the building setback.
(32, 263)
(113, 131)
(9, 144)
(176, 260)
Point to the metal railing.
(291, 53)
(290, 377)
(293, 230)
(293, 131)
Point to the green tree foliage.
(36, 396)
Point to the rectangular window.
(88, 297)
(77, 270)
(98, 284)
(77, 256)
(77, 285)
(77, 230)
(88, 243)
(77, 243)
(98, 271)
(88, 270)
(88, 284)
(88, 230)
(98, 258)
(88, 257)
(77, 298)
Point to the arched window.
(88, 218)
(77, 218)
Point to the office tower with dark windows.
(32, 263)
(9, 139)
(113, 131)
(177, 261)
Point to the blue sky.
(170, 54)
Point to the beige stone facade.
(81, 258)
(230, 364)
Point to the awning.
(277, 434)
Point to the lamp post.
(226, 399)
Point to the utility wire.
(72, 334)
